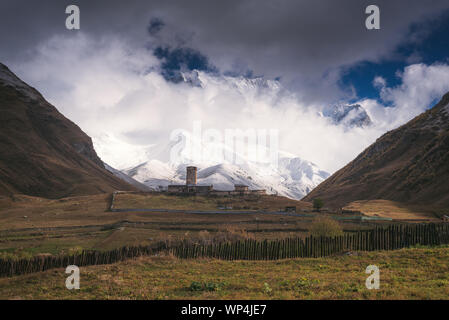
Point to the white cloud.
(102, 86)
(421, 86)
(379, 82)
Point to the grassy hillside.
(409, 164)
(200, 202)
(42, 153)
(396, 210)
(31, 226)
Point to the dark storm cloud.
(155, 26)
(306, 43)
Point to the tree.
(325, 227)
(317, 204)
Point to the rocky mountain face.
(409, 164)
(42, 153)
(348, 115)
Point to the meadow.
(31, 226)
(415, 273)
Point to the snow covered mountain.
(160, 165)
(408, 164)
(294, 177)
(291, 177)
(348, 115)
(123, 176)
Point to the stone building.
(241, 188)
(191, 175)
(191, 187)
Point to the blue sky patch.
(174, 61)
(430, 45)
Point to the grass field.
(31, 226)
(417, 273)
(394, 210)
(199, 202)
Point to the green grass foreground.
(417, 273)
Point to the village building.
(191, 187)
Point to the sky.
(137, 70)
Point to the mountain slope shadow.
(42, 153)
(409, 164)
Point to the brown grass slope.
(409, 164)
(42, 153)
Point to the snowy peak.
(348, 115)
(119, 174)
(294, 178)
(408, 164)
(256, 85)
(253, 166)
(298, 169)
(120, 154)
(155, 173)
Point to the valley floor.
(416, 273)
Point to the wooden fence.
(10, 267)
(390, 238)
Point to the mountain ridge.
(348, 115)
(293, 178)
(409, 164)
(42, 152)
